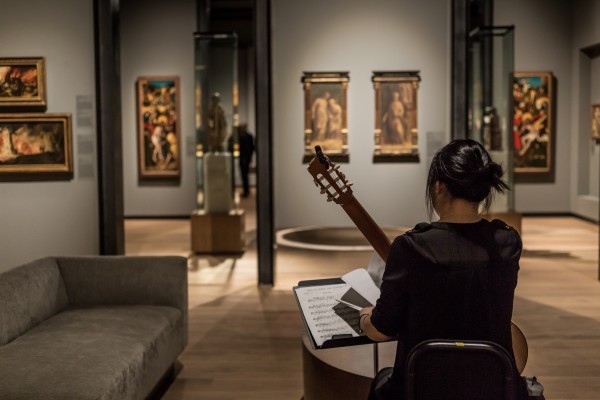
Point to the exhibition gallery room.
(300, 200)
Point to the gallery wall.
(543, 43)
(359, 37)
(585, 154)
(157, 40)
(45, 218)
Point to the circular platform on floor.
(329, 239)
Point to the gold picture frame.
(36, 144)
(534, 113)
(396, 116)
(23, 84)
(159, 140)
(326, 114)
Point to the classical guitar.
(333, 183)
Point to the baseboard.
(157, 216)
(557, 214)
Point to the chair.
(449, 370)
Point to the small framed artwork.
(159, 148)
(396, 132)
(35, 144)
(22, 84)
(596, 122)
(533, 122)
(325, 114)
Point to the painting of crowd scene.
(22, 83)
(158, 124)
(35, 143)
(325, 113)
(533, 122)
(396, 132)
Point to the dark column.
(459, 84)
(264, 181)
(108, 125)
(202, 15)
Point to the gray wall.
(543, 43)
(585, 167)
(157, 39)
(549, 35)
(359, 37)
(57, 217)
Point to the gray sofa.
(91, 327)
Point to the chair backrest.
(451, 370)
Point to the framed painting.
(35, 144)
(23, 83)
(596, 122)
(533, 122)
(159, 148)
(396, 132)
(325, 114)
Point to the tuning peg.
(323, 191)
(335, 168)
(349, 184)
(316, 182)
(329, 199)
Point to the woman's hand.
(367, 327)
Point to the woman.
(454, 278)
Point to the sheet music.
(317, 303)
(361, 281)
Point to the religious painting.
(22, 84)
(325, 114)
(396, 132)
(35, 143)
(533, 122)
(596, 122)
(159, 148)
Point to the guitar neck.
(368, 227)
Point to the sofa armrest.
(126, 280)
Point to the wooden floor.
(244, 340)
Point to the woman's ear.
(439, 187)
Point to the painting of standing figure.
(396, 133)
(533, 121)
(158, 127)
(596, 121)
(23, 83)
(325, 114)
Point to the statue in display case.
(217, 223)
(217, 125)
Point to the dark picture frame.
(396, 116)
(159, 140)
(534, 111)
(36, 144)
(595, 122)
(326, 114)
(23, 84)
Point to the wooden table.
(343, 372)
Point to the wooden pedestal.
(218, 233)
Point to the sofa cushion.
(29, 294)
(116, 352)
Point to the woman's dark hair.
(467, 170)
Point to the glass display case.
(216, 113)
(217, 224)
(491, 65)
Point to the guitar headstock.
(328, 177)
